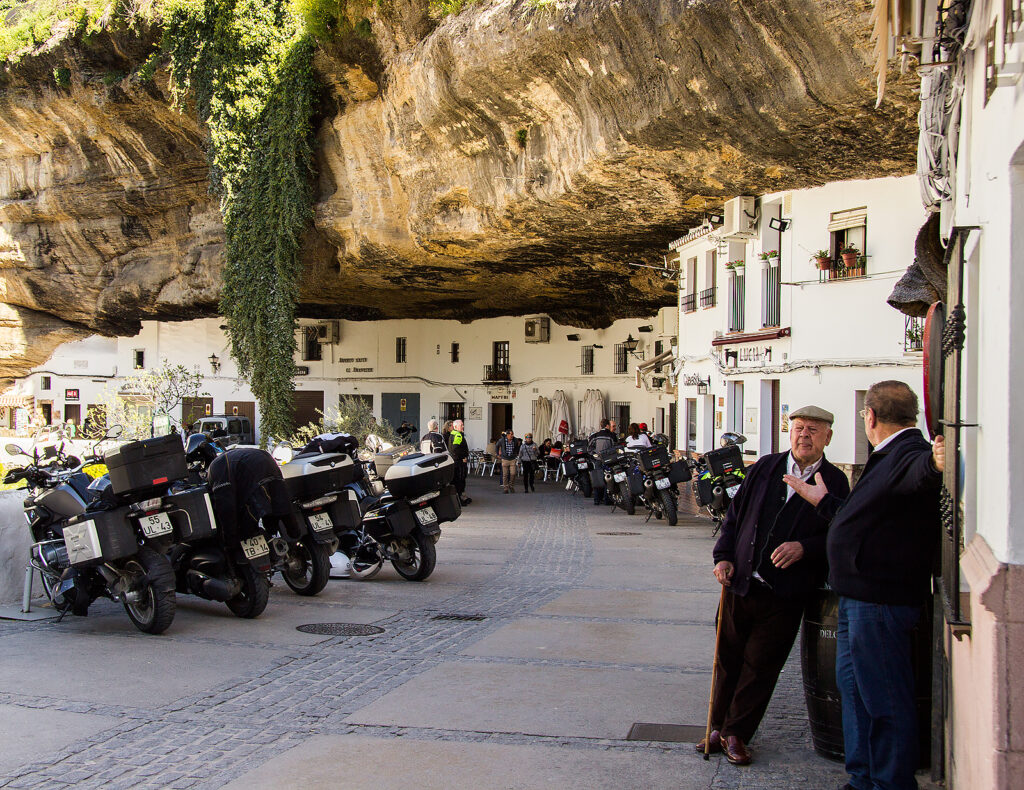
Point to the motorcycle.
(718, 475)
(92, 540)
(616, 462)
(576, 465)
(652, 484)
(402, 515)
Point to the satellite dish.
(934, 368)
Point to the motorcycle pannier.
(579, 447)
(597, 478)
(137, 468)
(724, 460)
(636, 484)
(95, 538)
(702, 491)
(652, 458)
(679, 472)
(345, 513)
(313, 476)
(418, 474)
(571, 470)
(191, 513)
(609, 455)
(447, 505)
(400, 519)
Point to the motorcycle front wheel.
(668, 504)
(583, 481)
(627, 498)
(151, 608)
(307, 569)
(255, 593)
(419, 560)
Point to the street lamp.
(631, 343)
(215, 363)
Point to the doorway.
(193, 409)
(241, 408)
(501, 418)
(307, 407)
(691, 424)
(73, 413)
(398, 406)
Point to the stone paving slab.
(537, 700)
(639, 604)
(28, 732)
(432, 765)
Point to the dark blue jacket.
(737, 539)
(884, 535)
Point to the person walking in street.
(599, 441)
(508, 451)
(769, 557)
(880, 548)
(458, 446)
(432, 441)
(529, 453)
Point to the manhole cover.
(619, 533)
(340, 629)
(668, 733)
(467, 618)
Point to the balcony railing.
(913, 334)
(709, 297)
(840, 272)
(689, 303)
(497, 373)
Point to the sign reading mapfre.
(71, 394)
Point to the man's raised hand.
(812, 492)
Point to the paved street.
(575, 633)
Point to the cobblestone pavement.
(509, 562)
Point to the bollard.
(26, 596)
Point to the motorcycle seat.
(373, 500)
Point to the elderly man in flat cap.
(770, 555)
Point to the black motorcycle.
(577, 465)
(91, 540)
(616, 463)
(652, 484)
(718, 475)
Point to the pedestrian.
(458, 446)
(432, 441)
(529, 453)
(769, 557)
(636, 438)
(508, 451)
(446, 431)
(881, 545)
(601, 440)
(405, 431)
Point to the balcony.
(840, 272)
(913, 334)
(497, 374)
(709, 297)
(688, 303)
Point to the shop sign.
(71, 395)
(302, 370)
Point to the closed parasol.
(541, 419)
(561, 418)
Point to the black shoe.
(465, 501)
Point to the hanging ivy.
(247, 66)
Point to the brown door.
(307, 407)
(241, 408)
(73, 412)
(193, 409)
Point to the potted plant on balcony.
(824, 260)
(736, 265)
(771, 257)
(849, 254)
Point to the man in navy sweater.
(881, 544)
(770, 555)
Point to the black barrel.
(818, 660)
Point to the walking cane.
(714, 673)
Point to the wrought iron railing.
(688, 302)
(497, 373)
(709, 297)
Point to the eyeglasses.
(863, 413)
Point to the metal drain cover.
(619, 533)
(340, 629)
(667, 733)
(465, 618)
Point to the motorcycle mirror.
(14, 449)
(731, 437)
(283, 453)
(113, 432)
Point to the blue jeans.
(876, 682)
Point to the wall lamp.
(597, 346)
(215, 363)
(645, 328)
(573, 338)
(702, 386)
(716, 218)
(630, 345)
(779, 224)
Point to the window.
(312, 351)
(708, 297)
(455, 352)
(621, 358)
(659, 349)
(735, 393)
(501, 356)
(689, 301)
(847, 228)
(45, 382)
(139, 357)
(620, 413)
(399, 349)
(771, 295)
(367, 400)
(455, 410)
(587, 361)
(736, 302)
(913, 333)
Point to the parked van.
(226, 429)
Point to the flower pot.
(824, 263)
(850, 260)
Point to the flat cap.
(813, 413)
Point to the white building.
(488, 372)
(763, 340)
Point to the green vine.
(247, 65)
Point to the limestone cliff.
(510, 159)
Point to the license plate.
(426, 515)
(582, 465)
(156, 525)
(620, 477)
(320, 522)
(732, 491)
(255, 547)
(663, 483)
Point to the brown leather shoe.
(716, 743)
(735, 752)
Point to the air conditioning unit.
(740, 219)
(538, 330)
(328, 332)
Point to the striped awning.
(11, 401)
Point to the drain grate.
(340, 629)
(667, 733)
(463, 618)
(619, 533)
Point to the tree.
(145, 396)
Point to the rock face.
(507, 160)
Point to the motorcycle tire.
(627, 498)
(154, 612)
(255, 594)
(668, 504)
(423, 560)
(583, 481)
(308, 567)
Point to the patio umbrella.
(541, 419)
(561, 418)
(593, 406)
